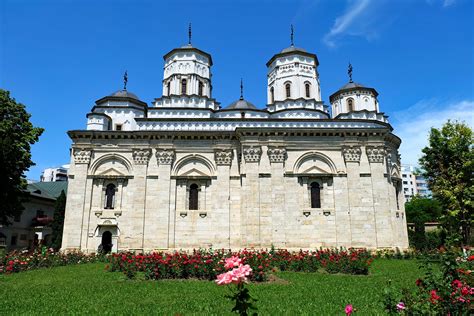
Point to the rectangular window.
(118, 127)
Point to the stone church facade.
(185, 172)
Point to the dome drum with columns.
(184, 172)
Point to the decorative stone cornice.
(351, 153)
(82, 156)
(141, 156)
(165, 156)
(276, 154)
(376, 154)
(223, 157)
(252, 154)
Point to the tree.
(421, 210)
(17, 134)
(448, 166)
(58, 221)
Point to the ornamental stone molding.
(376, 154)
(141, 156)
(165, 156)
(277, 154)
(252, 154)
(82, 156)
(224, 157)
(351, 153)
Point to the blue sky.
(58, 57)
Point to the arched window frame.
(184, 86)
(168, 88)
(307, 87)
(272, 95)
(350, 105)
(109, 196)
(288, 89)
(200, 88)
(315, 194)
(193, 200)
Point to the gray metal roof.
(241, 104)
(292, 49)
(351, 85)
(124, 94)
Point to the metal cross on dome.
(292, 35)
(189, 34)
(125, 80)
(349, 72)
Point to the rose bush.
(17, 261)
(207, 264)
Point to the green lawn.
(88, 289)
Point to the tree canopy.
(422, 210)
(17, 134)
(448, 166)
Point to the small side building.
(33, 227)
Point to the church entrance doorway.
(106, 241)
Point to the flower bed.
(207, 264)
(21, 261)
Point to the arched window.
(200, 88)
(272, 95)
(307, 87)
(193, 197)
(168, 87)
(184, 85)
(315, 195)
(288, 90)
(350, 105)
(110, 196)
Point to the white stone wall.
(297, 70)
(361, 100)
(253, 192)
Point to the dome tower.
(354, 97)
(187, 78)
(293, 80)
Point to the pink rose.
(349, 309)
(401, 306)
(232, 262)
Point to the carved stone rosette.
(276, 154)
(165, 156)
(141, 156)
(224, 157)
(252, 154)
(376, 154)
(82, 156)
(351, 153)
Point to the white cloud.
(350, 23)
(447, 3)
(413, 124)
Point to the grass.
(88, 289)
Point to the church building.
(185, 172)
